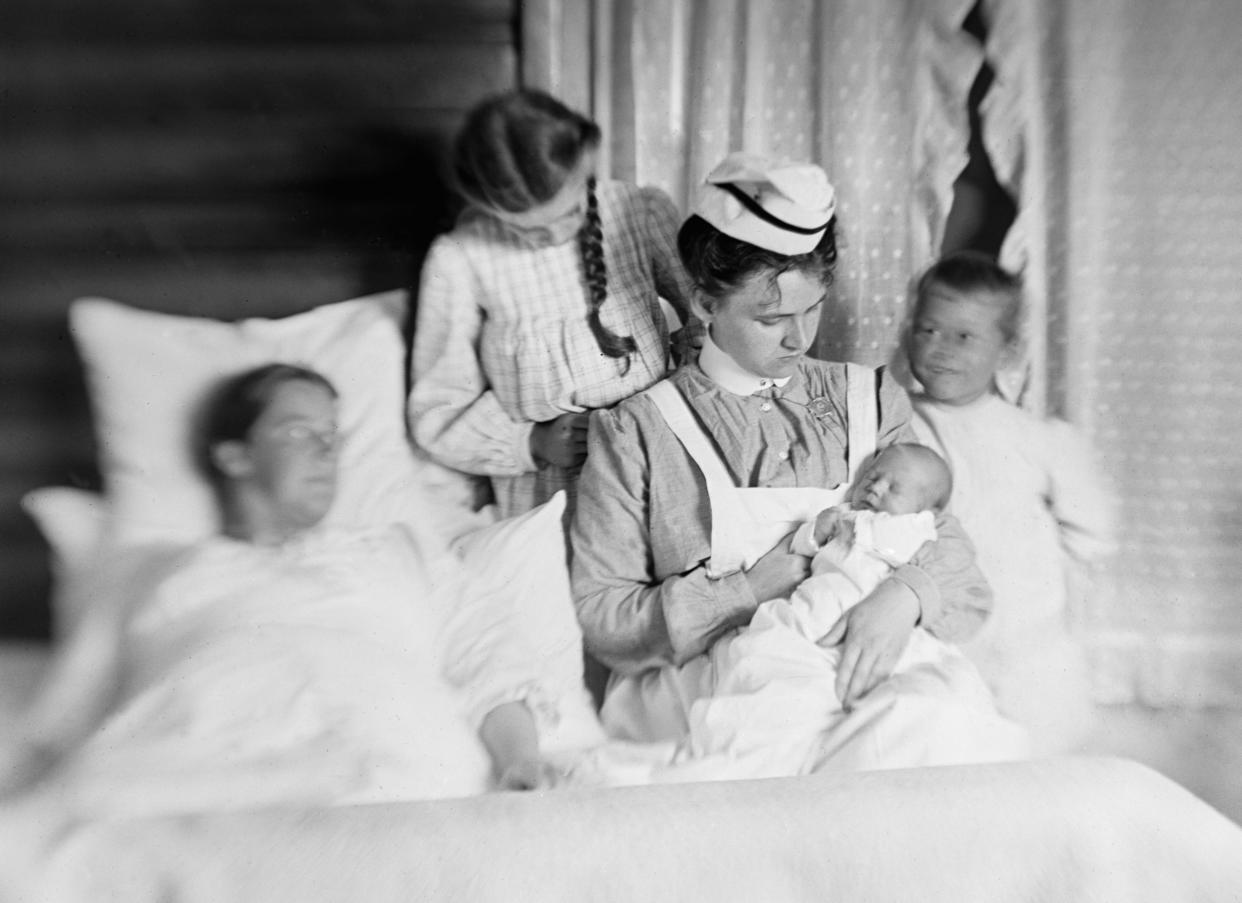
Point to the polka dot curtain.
(1118, 124)
(872, 90)
(1115, 125)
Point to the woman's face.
(767, 325)
(560, 218)
(956, 345)
(292, 454)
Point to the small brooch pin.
(821, 407)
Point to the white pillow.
(72, 522)
(523, 558)
(147, 373)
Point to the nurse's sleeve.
(453, 412)
(631, 620)
(954, 597)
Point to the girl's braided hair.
(515, 152)
(591, 245)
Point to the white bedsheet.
(1089, 830)
(347, 667)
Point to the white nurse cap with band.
(781, 206)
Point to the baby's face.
(895, 483)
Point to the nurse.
(692, 488)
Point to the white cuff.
(803, 542)
(521, 449)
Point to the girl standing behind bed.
(1024, 490)
(542, 304)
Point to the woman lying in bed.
(283, 661)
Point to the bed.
(1068, 829)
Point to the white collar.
(725, 372)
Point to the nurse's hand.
(872, 634)
(562, 441)
(778, 572)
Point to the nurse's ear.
(703, 305)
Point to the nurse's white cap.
(774, 204)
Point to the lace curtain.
(872, 90)
(1115, 127)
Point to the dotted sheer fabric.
(873, 90)
(1115, 126)
(1119, 126)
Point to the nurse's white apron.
(938, 712)
(746, 524)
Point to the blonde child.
(542, 304)
(1024, 490)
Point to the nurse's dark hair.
(516, 151)
(232, 407)
(720, 264)
(979, 276)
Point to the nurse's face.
(767, 325)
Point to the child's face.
(895, 483)
(559, 219)
(956, 345)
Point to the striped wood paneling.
(228, 158)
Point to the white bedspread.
(346, 667)
(1087, 830)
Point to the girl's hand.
(778, 572)
(687, 342)
(561, 442)
(530, 774)
(872, 634)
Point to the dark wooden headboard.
(224, 158)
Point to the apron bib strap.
(863, 416)
(680, 419)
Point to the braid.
(591, 245)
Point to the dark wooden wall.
(226, 158)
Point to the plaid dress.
(502, 342)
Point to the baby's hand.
(530, 774)
(827, 525)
